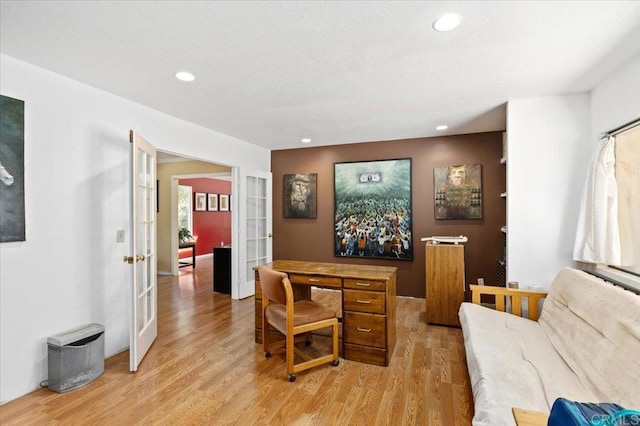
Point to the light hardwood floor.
(205, 368)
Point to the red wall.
(211, 228)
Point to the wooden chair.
(292, 319)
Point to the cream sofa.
(585, 347)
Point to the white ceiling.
(273, 72)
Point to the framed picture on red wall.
(200, 201)
(212, 202)
(224, 202)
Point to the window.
(627, 169)
(184, 207)
(610, 235)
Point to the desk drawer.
(366, 354)
(365, 284)
(318, 280)
(364, 301)
(364, 329)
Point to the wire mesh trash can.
(75, 357)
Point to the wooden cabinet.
(444, 283)
(368, 304)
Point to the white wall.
(616, 100)
(69, 271)
(549, 147)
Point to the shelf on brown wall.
(312, 239)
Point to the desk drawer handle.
(366, 302)
(364, 330)
(363, 284)
(314, 280)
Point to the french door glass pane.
(252, 228)
(262, 248)
(252, 186)
(250, 265)
(252, 249)
(148, 170)
(261, 210)
(140, 281)
(150, 312)
(141, 314)
(252, 207)
(141, 168)
(261, 190)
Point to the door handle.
(130, 259)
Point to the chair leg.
(265, 336)
(334, 329)
(291, 340)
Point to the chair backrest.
(272, 284)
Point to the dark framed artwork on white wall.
(12, 206)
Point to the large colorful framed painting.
(12, 210)
(299, 195)
(458, 192)
(372, 209)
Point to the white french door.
(254, 229)
(144, 320)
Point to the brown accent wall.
(312, 239)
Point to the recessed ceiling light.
(442, 127)
(184, 76)
(305, 140)
(447, 22)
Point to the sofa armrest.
(501, 293)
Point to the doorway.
(171, 169)
(250, 203)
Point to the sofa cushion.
(595, 328)
(512, 364)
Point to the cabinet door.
(445, 283)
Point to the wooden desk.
(191, 245)
(368, 304)
(529, 418)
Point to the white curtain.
(598, 235)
